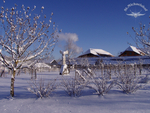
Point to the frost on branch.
(25, 36)
(73, 86)
(142, 38)
(42, 89)
(101, 82)
(127, 78)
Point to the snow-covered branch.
(142, 38)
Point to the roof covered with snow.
(134, 49)
(96, 52)
(42, 65)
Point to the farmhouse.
(95, 53)
(42, 66)
(132, 51)
(54, 63)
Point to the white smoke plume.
(77, 49)
(66, 36)
(73, 37)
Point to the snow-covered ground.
(115, 101)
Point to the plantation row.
(129, 78)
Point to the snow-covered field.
(115, 101)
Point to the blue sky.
(99, 24)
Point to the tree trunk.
(12, 87)
(35, 74)
(2, 73)
(12, 84)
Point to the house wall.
(91, 55)
(129, 53)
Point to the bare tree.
(73, 50)
(142, 38)
(25, 36)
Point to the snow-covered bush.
(80, 77)
(42, 89)
(128, 78)
(145, 79)
(101, 82)
(74, 86)
(101, 85)
(88, 73)
(97, 77)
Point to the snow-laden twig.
(101, 84)
(127, 79)
(73, 86)
(40, 88)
